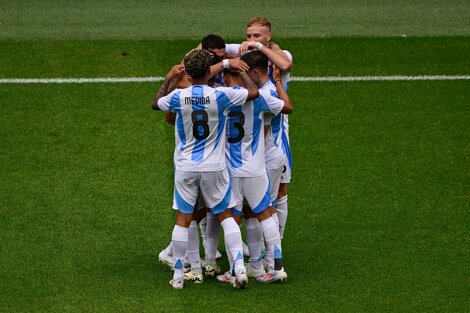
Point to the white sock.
(169, 249)
(254, 238)
(233, 243)
(276, 219)
(281, 209)
(193, 248)
(179, 240)
(212, 242)
(273, 243)
(203, 227)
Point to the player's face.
(258, 33)
(218, 52)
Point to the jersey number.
(238, 124)
(200, 126)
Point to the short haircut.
(259, 20)
(197, 63)
(256, 60)
(212, 42)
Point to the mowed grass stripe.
(160, 78)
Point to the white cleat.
(195, 278)
(252, 272)
(240, 281)
(177, 283)
(273, 276)
(166, 259)
(212, 269)
(226, 278)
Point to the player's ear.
(269, 36)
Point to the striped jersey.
(200, 126)
(245, 135)
(275, 157)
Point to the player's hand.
(246, 46)
(176, 71)
(238, 65)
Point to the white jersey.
(245, 135)
(200, 126)
(275, 156)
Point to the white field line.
(160, 78)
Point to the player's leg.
(186, 190)
(195, 272)
(217, 192)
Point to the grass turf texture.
(378, 218)
(147, 19)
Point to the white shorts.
(213, 186)
(254, 190)
(274, 182)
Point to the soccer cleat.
(195, 278)
(212, 269)
(252, 272)
(240, 281)
(226, 278)
(166, 259)
(177, 283)
(273, 276)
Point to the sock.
(233, 244)
(281, 209)
(276, 219)
(273, 242)
(212, 242)
(179, 240)
(254, 238)
(203, 227)
(193, 248)
(169, 249)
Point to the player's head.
(197, 63)
(214, 44)
(258, 63)
(231, 78)
(258, 29)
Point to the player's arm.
(272, 51)
(233, 63)
(281, 92)
(253, 91)
(169, 81)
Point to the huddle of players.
(231, 153)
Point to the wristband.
(226, 63)
(259, 46)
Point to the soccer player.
(200, 155)
(258, 34)
(250, 183)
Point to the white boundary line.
(161, 78)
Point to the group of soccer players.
(229, 105)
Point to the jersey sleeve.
(232, 49)
(271, 104)
(164, 103)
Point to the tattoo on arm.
(163, 91)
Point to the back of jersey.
(200, 125)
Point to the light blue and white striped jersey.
(245, 135)
(200, 126)
(275, 156)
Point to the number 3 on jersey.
(236, 120)
(200, 126)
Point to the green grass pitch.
(379, 218)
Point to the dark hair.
(197, 63)
(256, 60)
(212, 42)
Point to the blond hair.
(259, 20)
